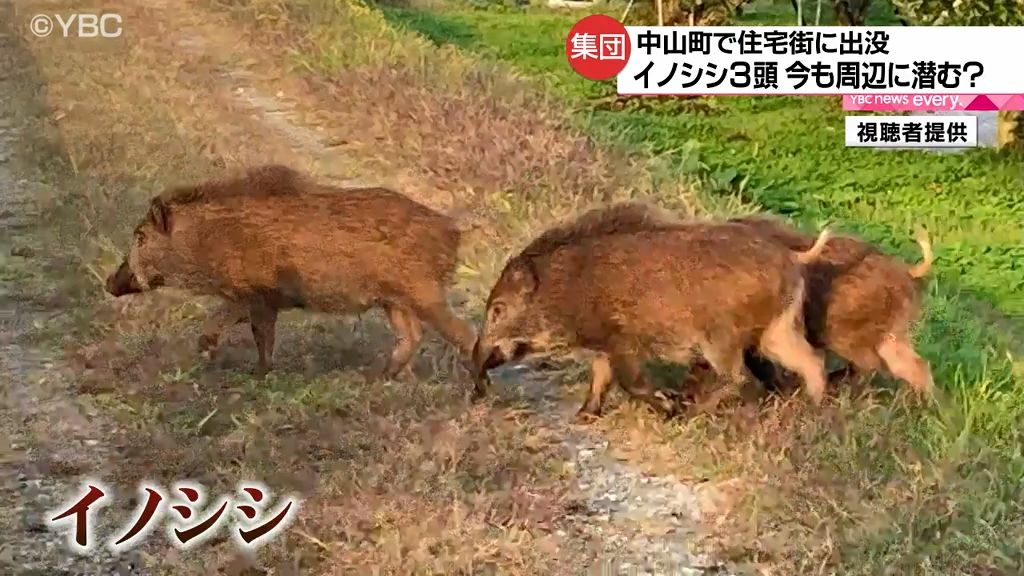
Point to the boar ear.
(523, 276)
(160, 216)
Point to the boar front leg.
(263, 319)
(408, 332)
(600, 378)
(628, 371)
(226, 316)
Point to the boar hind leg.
(408, 332)
(728, 362)
(229, 314)
(629, 373)
(451, 328)
(263, 319)
(864, 363)
(763, 369)
(783, 343)
(600, 378)
(906, 364)
(459, 333)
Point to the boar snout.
(123, 281)
(487, 357)
(484, 359)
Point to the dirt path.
(46, 435)
(629, 521)
(632, 520)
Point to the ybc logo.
(77, 25)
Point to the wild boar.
(273, 240)
(628, 287)
(861, 303)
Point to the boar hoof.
(403, 374)
(207, 346)
(585, 417)
(479, 391)
(815, 398)
(664, 404)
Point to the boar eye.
(497, 311)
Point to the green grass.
(787, 155)
(781, 13)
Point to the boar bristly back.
(515, 323)
(619, 218)
(153, 252)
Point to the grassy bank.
(868, 485)
(787, 154)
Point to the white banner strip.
(911, 131)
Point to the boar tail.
(815, 252)
(922, 268)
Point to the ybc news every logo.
(960, 70)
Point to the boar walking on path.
(630, 287)
(861, 303)
(272, 240)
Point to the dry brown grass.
(398, 477)
(851, 487)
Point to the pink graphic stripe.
(932, 102)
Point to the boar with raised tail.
(272, 240)
(861, 303)
(629, 284)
